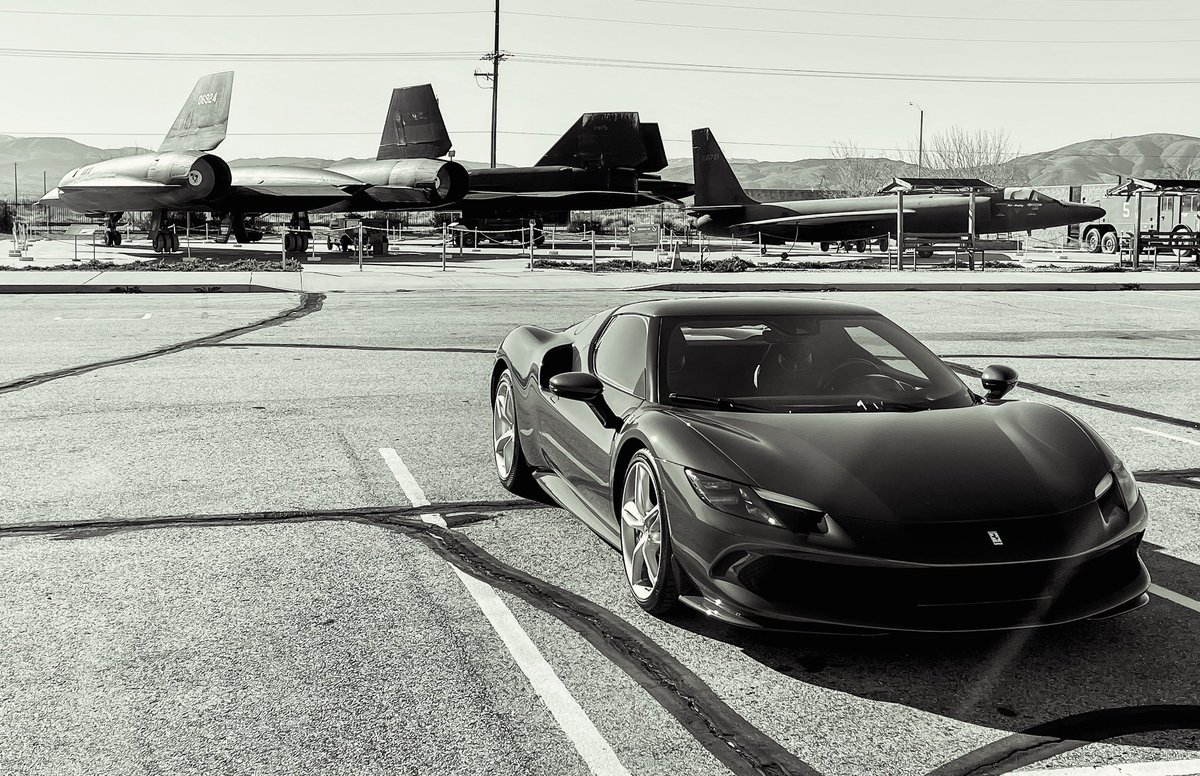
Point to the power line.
(1039, 20)
(704, 67)
(422, 56)
(222, 16)
(857, 35)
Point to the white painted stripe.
(1174, 597)
(433, 518)
(1160, 768)
(571, 717)
(1195, 442)
(146, 317)
(408, 483)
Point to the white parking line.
(1160, 768)
(571, 717)
(1174, 597)
(1167, 436)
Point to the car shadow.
(1018, 680)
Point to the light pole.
(920, 138)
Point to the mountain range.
(1091, 161)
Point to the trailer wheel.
(1110, 242)
(1091, 241)
(1183, 229)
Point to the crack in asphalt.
(383, 348)
(309, 303)
(1183, 478)
(1048, 739)
(1102, 405)
(736, 743)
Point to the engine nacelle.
(202, 176)
(441, 181)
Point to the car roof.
(742, 305)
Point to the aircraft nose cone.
(1080, 213)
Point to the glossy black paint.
(975, 518)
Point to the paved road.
(207, 565)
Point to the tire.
(1183, 229)
(824, 247)
(117, 239)
(883, 244)
(160, 242)
(783, 256)
(645, 537)
(861, 246)
(1091, 241)
(925, 253)
(328, 243)
(514, 472)
(1110, 243)
(173, 242)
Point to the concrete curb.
(924, 286)
(144, 288)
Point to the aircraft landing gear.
(824, 247)
(161, 237)
(296, 240)
(112, 237)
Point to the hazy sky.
(330, 108)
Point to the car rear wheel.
(645, 539)
(515, 473)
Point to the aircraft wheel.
(328, 243)
(172, 242)
(783, 256)
(1110, 242)
(107, 239)
(762, 250)
(861, 246)
(824, 247)
(289, 243)
(882, 243)
(925, 252)
(160, 243)
(1091, 241)
(469, 239)
(116, 238)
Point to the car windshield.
(802, 364)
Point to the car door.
(579, 444)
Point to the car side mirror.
(588, 389)
(579, 386)
(998, 380)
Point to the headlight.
(732, 498)
(1127, 487)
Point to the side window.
(621, 354)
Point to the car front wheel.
(645, 539)
(515, 473)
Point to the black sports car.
(783, 463)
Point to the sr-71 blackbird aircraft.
(723, 208)
(182, 176)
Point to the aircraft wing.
(398, 195)
(285, 190)
(50, 197)
(484, 196)
(824, 218)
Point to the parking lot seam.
(1096, 403)
(309, 303)
(369, 348)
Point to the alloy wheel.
(641, 529)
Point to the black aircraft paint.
(723, 208)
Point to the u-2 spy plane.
(723, 208)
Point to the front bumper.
(760, 576)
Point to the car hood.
(1015, 459)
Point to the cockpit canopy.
(1029, 195)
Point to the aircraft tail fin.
(414, 128)
(656, 155)
(715, 182)
(600, 140)
(202, 123)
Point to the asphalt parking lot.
(281, 547)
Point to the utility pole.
(920, 138)
(16, 192)
(496, 57)
(495, 81)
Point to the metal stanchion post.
(360, 246)
(1137, 234)
(593, 251)
(900, 232)
(188, 216)
(459, 231)
(283, 250)
(532, 240)
(443, 247)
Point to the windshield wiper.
(719, 402)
